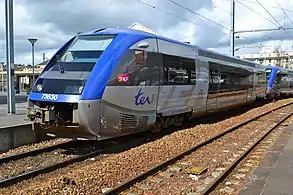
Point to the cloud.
(53, 22)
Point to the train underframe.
(64, 119)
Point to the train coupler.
(41, 115)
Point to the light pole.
(2, 74)
(232, 32)
(288, 59)
(10, 56)
(33, 41)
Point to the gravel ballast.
(252, 161)
(214, 157)
(31, 163)
(91, 177)
(34, 146)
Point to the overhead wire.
(284, 12)
(174, 15)
(217, 5)
(285, 9)
(198, 14)
(274, 18)
(184, 19)
(228, 13)
(257, 13)
(269, 13)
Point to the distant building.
(281, 59)
(22, 76)
(25, 71)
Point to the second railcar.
(280, 81)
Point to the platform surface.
(275, 174)
(15, 119)
(19, 98)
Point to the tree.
(280, 54)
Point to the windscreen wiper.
(60, 66)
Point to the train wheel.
(158, 125)
(178, 120)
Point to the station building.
(281, 59)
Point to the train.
(280, 82)
(112, 82)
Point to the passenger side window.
(261, 78)
(281, 78)
(284, 79)
(227, 78)
(234, 78)
(214, 78)
(137, 68)
(178, 70)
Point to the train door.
(177, 94)
(290, 80)
(259, 84)
(214, 84)
(250, 80)
(279, 84)
(198, 99)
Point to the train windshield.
(70, 69)
(86, 49)
(268, 73)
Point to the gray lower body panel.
(88, 116)
(117, 121)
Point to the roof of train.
(143, 33)
(280, 69)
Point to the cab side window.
(137, 68)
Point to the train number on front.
(49, 96)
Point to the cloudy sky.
(54, 21)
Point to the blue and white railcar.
(280, 81)
(112, 82)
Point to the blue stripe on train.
(54, 97)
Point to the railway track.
(71, 153)
(35, 162)
(211, 188)
(29, 164)
(160, 176)
(143, 138)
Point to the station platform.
(19, 98)
(275, 174)
(15, 119)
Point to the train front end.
(272, 77)
(57, 102)
(98, 85)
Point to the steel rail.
(36, 151)
(28, 175)
(223, 175)
(49, 149)
(42, 150)
(124, 143)
(127, 184)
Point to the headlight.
(39, 87)
(80, 89)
